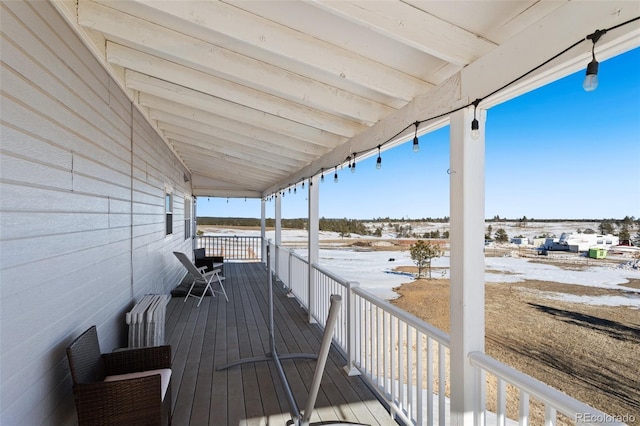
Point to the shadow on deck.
(218, 332)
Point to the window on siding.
(187, 218)
(168, 206)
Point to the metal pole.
(272, 337)
(336, 301)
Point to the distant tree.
(377, 232)
(636, 241)
(422, 252)
(523, 222)
(579, 231)
(445, 234)
(624, 233)
(501, 236)
(487, 236)
(589, 231)
(606, 227)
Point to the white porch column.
(467, 261)
(278, 229)
(263, 230)
(313, 241)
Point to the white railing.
(406, 360)
(242, 248)
(553, 401)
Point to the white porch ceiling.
(256, 95)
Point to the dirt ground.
(591, 353)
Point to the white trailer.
(582, 242)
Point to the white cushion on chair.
(165, 377)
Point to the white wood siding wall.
(82, 226)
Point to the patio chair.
(201, 276)
(125, 387)
(201, 259)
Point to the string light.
(353, 166)
(303, 184)
(590, 82)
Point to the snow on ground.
(373, 270)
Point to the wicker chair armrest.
(139, 359)
(131, 402)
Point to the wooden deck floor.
(218, 332)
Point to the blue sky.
(556, 152)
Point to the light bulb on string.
(322, 176)
(353, 166)
(416, 145)
(590, 82)
(475, 124)
(379, 160)
(335, 176)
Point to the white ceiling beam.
(205, 186)
(277, 43)
(411, 26)
(297, 149)
(225, 64)
(219, 165)
(234, 117)
(213, 143)
(290, 159)
(247, 177)
(206, 83)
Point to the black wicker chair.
(124, 387)
(201, 259)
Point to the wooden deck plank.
(220, 332)
(219, 400)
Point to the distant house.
(520, 241)
(575, 242)
(540, 242)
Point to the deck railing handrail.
(231, 247)
(553, 400)
(393, 350)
